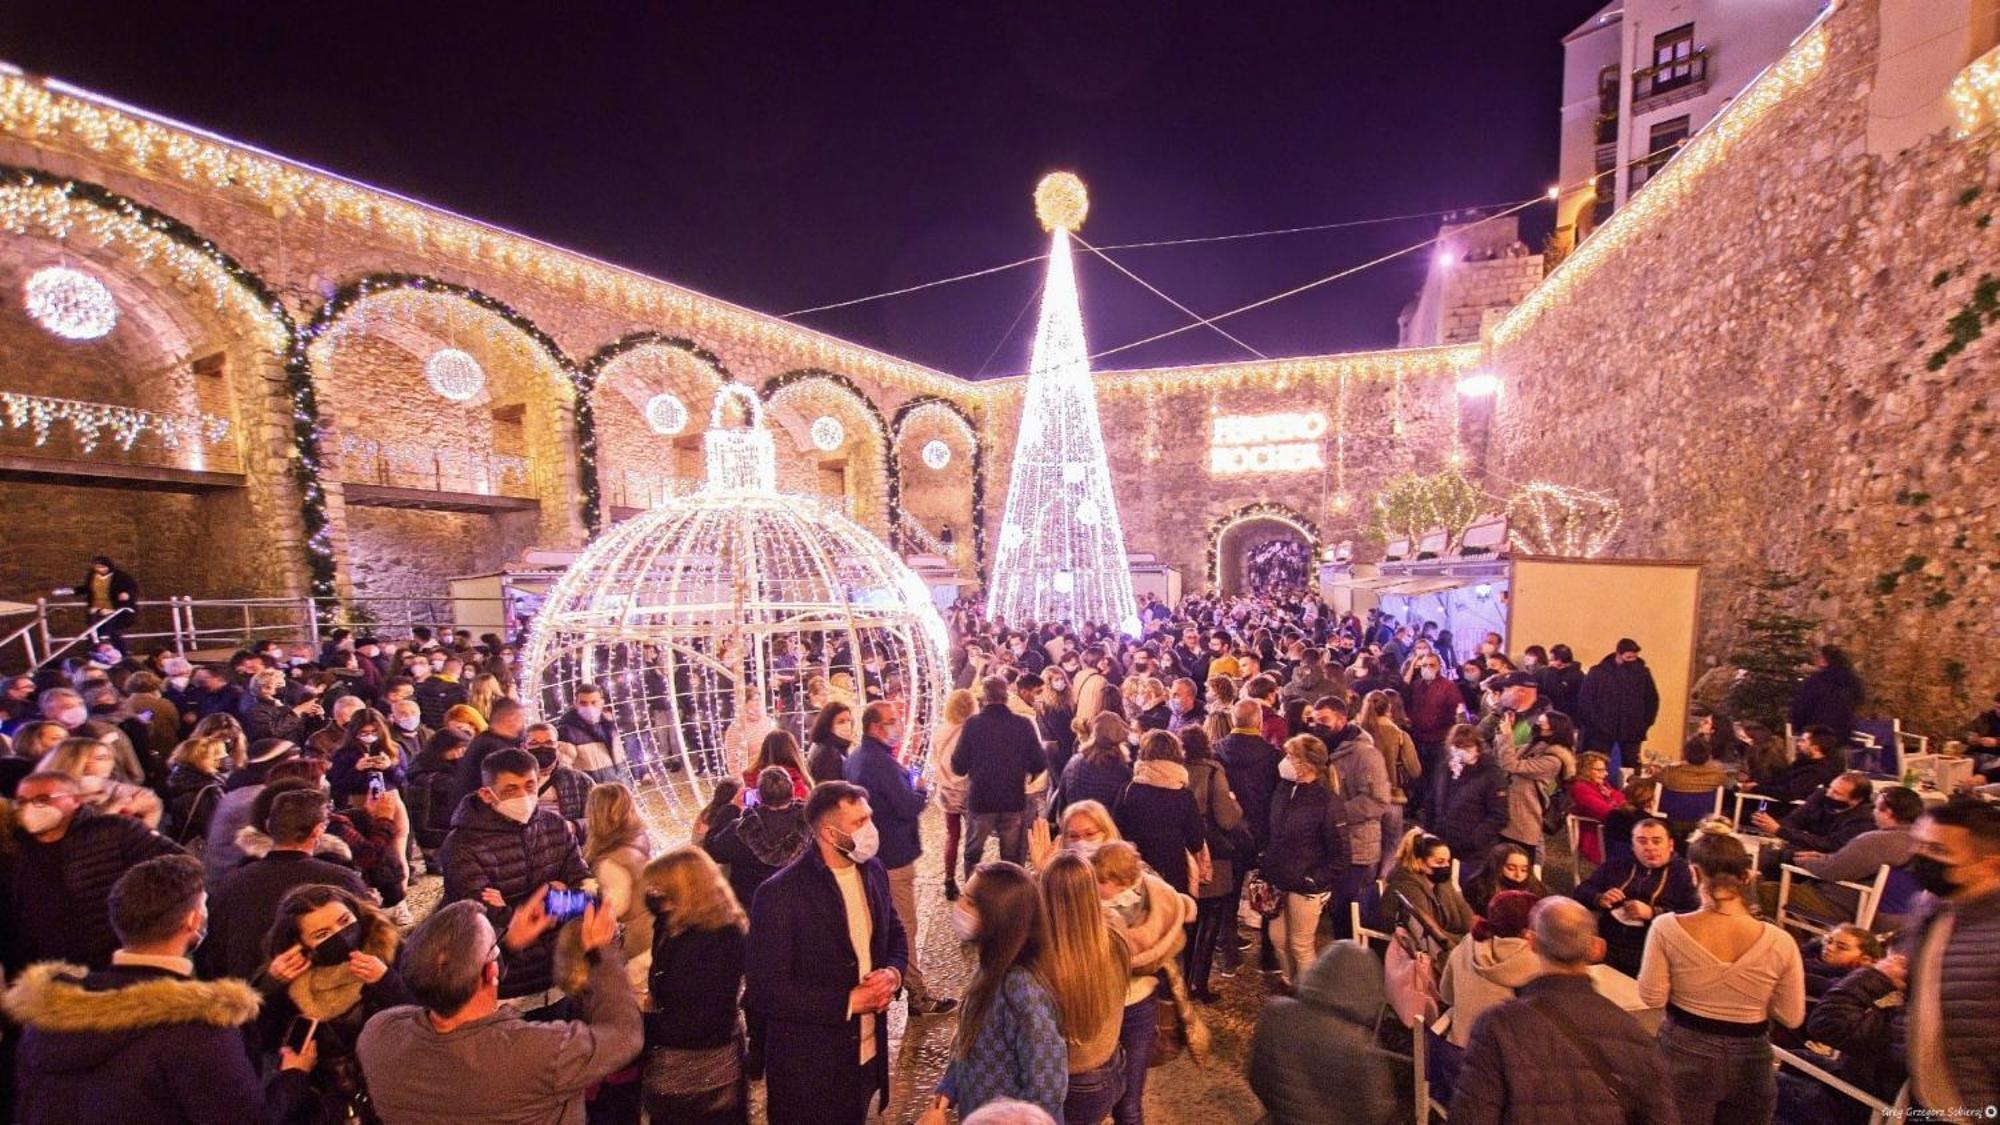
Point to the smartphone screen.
(300, 1032)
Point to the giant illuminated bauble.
(70, 303)
(454, 374)
(696, 615)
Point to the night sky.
(789, 155)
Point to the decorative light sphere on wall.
(70, 303)
(1065, 582)
(454, 374)
(936, 454)
(827, 433)
(666, 414)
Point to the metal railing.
(51, 630)
(1669, 76)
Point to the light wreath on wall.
(936, 454)
(950, 413)
(666, 414)
(1555, 519)
(454, 375)
(707, 620)
(70, 303)
(847, 390)
(125, 425)
(592, 374)
(1264, 512)
(350, 300)
(1052, 566)
(40, 202)
(828, 434)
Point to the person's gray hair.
(1565, 931)
(1007, 1111)
(1246, 713)
(993, 689)
(444, 959)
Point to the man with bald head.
(1559, 1051)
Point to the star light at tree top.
(1062, 547)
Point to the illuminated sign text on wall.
(1265, 443)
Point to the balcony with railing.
(47, 436)
(414, 474)
(1674, 80)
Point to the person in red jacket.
(1592, 796)
(1434, 703)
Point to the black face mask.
(1440, 875)
(337, 946)
(545, 756)
(1932, 875)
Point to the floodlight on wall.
(1479, 384)
(1446, 259)
(666, 414)
(936, 454)
(454, 374)
(1555, 191)
(70, 303)
(827, 433)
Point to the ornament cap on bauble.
(1061, 201)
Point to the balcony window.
(1673, 57)
(1662, 143)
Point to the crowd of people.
(208, 871)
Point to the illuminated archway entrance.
(1261, 548)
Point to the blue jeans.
(1135, 1035)
(1011, 827)
(1719, 1079)
(1094, 1092)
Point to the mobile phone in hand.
(299, 1033)
(563, 905)
(375, 787)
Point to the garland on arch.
(304, 464)
(891, 483)
(347, 297)
(1263, 509)
(903, 413)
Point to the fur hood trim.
(51, 997)
(256, 845)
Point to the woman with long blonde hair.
(694, 1039)
(1102, 767)
(617, 848)
(92, 762)
(1087, 970)
(482, 692)
(226, 727)
(952, 786)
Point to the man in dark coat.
(587, 725)
(898, 806)
(997, 752)
(1829, 696)
(1251, 763)
(435, 694)
(1317, 1049)
(65, 861)
(1618, 703)
(247, 899)
(1562, 681)
(503, 847)
(142, 1040)
(1949, 959)
(1816, 763)
(1630, 892)
(826, 956)
(1559, 1051)
(1828, 819)
(506, 729)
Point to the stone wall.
(398, 554)
(1752, 373)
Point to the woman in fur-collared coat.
(331, 958)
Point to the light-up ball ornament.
(1073, 472)
(666, 414)
(936, 454)
(453, 374)
(1061, 202)
(70, 303)
(1088, 513)
(1065, 582)
(827, 433)
(1479, 384)
(1011, 536)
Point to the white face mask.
(862, 845)
(1430, 673)
(589, 713)
(72, 717)
(1129, 898)
(964, 922)
(520, 809)
(178, 683)
(1289, 770)
(1085, 849)
(368, 739)
(409, 722)
(37, 819)
(91, 783)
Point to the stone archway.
(639, 387)
(1240, 555)
(857, 468)
(950, 494)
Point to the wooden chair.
(1576, 826)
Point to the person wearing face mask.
(1434, 704)
(433, 791)
(434, 693)
(269, 716)
(504, 846)
(146, 696)
(146, 1011)
(332, 959)
(1949, 960)
(1472, 798)
(694, 1061)
(248, 897)
(65, 858)
(91, 762)
(1828, 819)
(587, 725)
(1421, 881)
(831, 737)
(503, 732)
(952, 786)
(564, 789)
(1617, 706)
(1309, 846)
(821, 998)
(1009, 1042)
(407, 730)
(898, 805)
(368, 748)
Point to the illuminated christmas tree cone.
(717, 617)
(1062, 549)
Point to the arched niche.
(933, 497)
(857, 469)
(638, 465)
(1232, 538)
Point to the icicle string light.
(124, 425)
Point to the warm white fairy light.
(732, 597)
(1555, 519)
(454, 374)
(1061, 203)
(1479, 384)
(92, 422)
(1975, 94)
(70, 303)
(1052, 566)
(666, 414)
(828, 434)
(936, 454)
